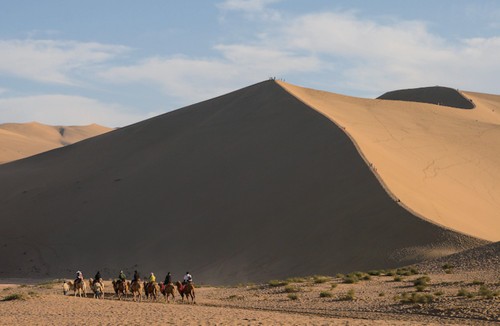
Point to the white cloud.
(190, 79)
(52, 61)
(58, 109)
(246, 5)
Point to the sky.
(117, 62)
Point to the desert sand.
(248, 186)
(440, 162)
(20, 140)
(462, 289)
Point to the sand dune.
(433, 95)
(442, 163)
(248, 186)
(19, 140)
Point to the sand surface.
(20, 140)
(377, 298)
(441, 162)
(249, 186)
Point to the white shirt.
(188, 277)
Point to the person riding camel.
(187, 278)
(152, 278)
(79, 277)
(168, 279)
(98, 277)
(137, 277)
(122, 277)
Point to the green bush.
(320, 279)
(375, 272)
(15, 296)
(350, 279)
(484, 291)
(398, 278)
(476, 282)
(292, 296)
(296, 279)
(421, 288)
(325, 294)
(275, 283)
(291, 289)
(438, 293)
(334, 285)
(447, 266)
(417, 298)
(424, 280)
(350, 295)
(463, 293)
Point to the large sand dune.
(20, 140)
(248, 186)
(441, 162)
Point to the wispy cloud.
(52, 61)
(56, 109)
(246, 5)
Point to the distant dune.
(433, 95)
(20, 140)
(248, 186)
(440, 162)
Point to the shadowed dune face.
(433, 95)
(20, 140)
(442, 163)
(248, 186)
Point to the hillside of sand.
(20, 140)
(248, 186)
(440, 162)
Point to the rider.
(187, 278)
(168, 279)
(122, 276)
(79, 277)
(98, 278)
(152, 278)
(137, 277)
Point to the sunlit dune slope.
(441, 162)
(248, 186)
(19, 140)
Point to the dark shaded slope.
(249, 186)
(433, 95)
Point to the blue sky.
(118, 62)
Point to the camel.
(151, 289)
(186, 290)
(121, 288)
(98, 288)
(136, 289)
(167, 290)
(80, 287)
(66, 287)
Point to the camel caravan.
(136, 287)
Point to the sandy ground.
(321, 300)
(20, 140)
(440, 162)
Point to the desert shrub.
(339, 275)
(438, 293)
(390, 272)
(275, 283)
(320, 279)
(477, 282)
(351, 278)
(398, 278)
(350, 295)
(424, 280)
(447, 266)
(291, 289)
(325, 294)
(463, 292)
(23, 286)
(366, 277)
(406, 271)
(296, 279)
(15, 296)
(7, 289)
(235, 297)
(420, 288)
(334, 285)
(375, 272)
(358, 274)
(417, 298)
(484, 291)
(381, 294)
(292, 296)
(448, 271)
